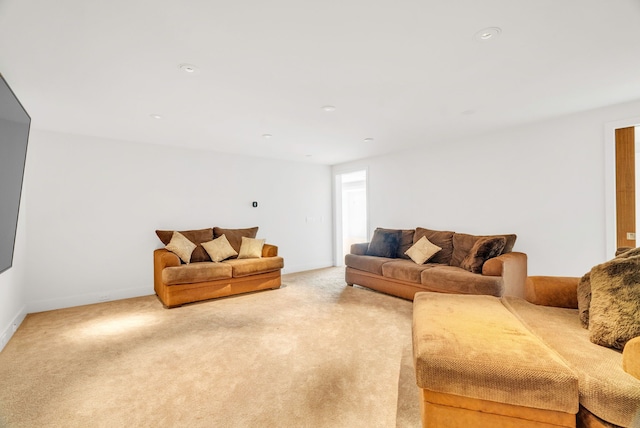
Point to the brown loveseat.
(510, 362)
(465, 264)
(177, 282)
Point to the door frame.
(337, 209)
(610, 181)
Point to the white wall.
(13, 303)
(544, 181)
(94, 204)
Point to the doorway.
(351, 212)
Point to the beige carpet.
(315, 353)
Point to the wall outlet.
(631, 236)
(104, 298)
(15, 326)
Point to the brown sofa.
(513, 362)
(177, 283)
(399, 275)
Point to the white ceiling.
(406, 73)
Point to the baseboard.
(305, 267)
(7, 333)
(87, 299)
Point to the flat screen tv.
(14, 135)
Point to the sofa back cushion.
(196, 236)
(441, 238)
(406, 241)
(462, 244)
(234, 236)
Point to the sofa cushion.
(422, 250)
(181, 246)
(462, 244)
(474, 347)
(614, 311)
(250, 248)
(404, 270)
(443, 239)
(451, 279)
(406, 241)
(605, 389)
(196, 236)
(246, 267)
(371, 264)
(384, 243)
(196, 272)
(483, 250)
(235, 235)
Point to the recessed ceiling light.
(156, 116)
(328, 108)
(267, 136)
(188, 68)
(368, 140)
(488, 33)
(469, 112)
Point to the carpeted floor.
(315, 353)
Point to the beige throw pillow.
(422, 250)
(181, 246)
(219, 249)
(251, 248)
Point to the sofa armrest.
(359, 249)
(269, 250)
(631, 357)
(512, 267)
(557, 291)
(163, 258)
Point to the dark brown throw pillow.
(584, 298)
(441, 238)
(483, 250)
(385, 243)
(196, 236)
(614, 311)
(462, 244)
(234, 236)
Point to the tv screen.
(14, 133)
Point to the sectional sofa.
(394, 263)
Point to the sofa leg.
(350, 284)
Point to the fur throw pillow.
(483, 250)
(614, 311)
(584, 298)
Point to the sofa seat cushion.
(606, 390)
(453, 279)
(246, 267)
(473, 346)
(196, 272)
(371, 264)
(404, 270)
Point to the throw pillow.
(482, 250)
(406, 241)
(235, 235)
(614, 312)
(462, 244)
(219, 249)
(422, 251)
(251, 248)
(441, 238)
(181, 246)
(384, 243)
(584, 297)
(584, 286)
(196, 236)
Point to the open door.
(625, 188)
